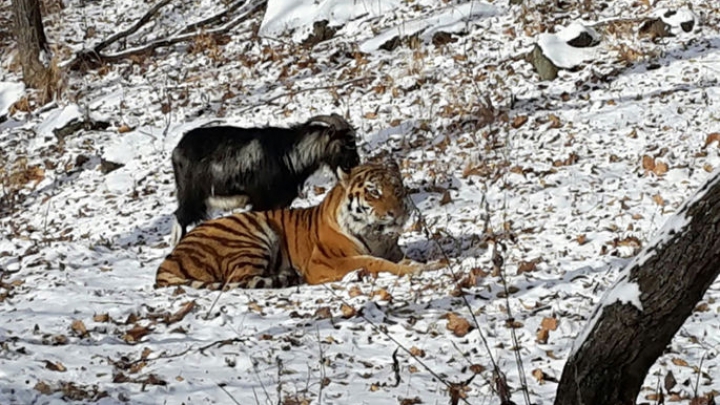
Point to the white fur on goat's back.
(310, 149)
(227, 203)
(176, 232)
(250, 156)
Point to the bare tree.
(638, 317)
(31, 41)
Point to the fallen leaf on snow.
(714, 137)
(549, 323)
(180, 314)
(323, 313)
(135, 334)
(680, 362)
(347, 311)
(79, 327)
(457, 324)
(55, 366)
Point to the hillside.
(567, 178)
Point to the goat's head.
(341, 149)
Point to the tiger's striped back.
(356, 226)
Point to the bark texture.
(610, 366)
(31, 39)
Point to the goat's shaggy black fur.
(229, 167)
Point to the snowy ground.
(574, 176)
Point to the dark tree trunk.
(31, 40)
(621, 342)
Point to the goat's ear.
(343, 177)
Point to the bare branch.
(123, 34)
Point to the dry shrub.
(15, 178)
(209, 45)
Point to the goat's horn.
(334, 120)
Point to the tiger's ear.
(343, 177)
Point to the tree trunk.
(31, 40)
(638, 317)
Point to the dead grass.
(16, 177)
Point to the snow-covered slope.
(573, 176)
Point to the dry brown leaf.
(137, 367)
(477, 368)
(542, 336)
(43, 388)
(519, 121)
(180, 314)
(714, 137)
(102, 318)
(581, 239)
(659, 200)
(323, 313)
(648, 163)
(79, 327)
(145, 353)
(539, 375)
(370, 115)
(549, 323)
(354, 291)
(124, 128)
(55, 366)
(554, 121)
(446, 198)
(527, 267)
(513, 324)
(680, 362)
(417, 352)
(660, 168)
(457, 324)
(347, 311)
(254, 306)
(382, 294)
(136, 333)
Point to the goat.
(226, 167)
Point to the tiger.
(355, 227)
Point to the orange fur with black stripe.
(355, 227)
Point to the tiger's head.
(375, 200)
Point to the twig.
(426, 230)
(279, 377)
(323, 375)
(399, 345)
(498, 262)
(123, 34)
(228, 394)
(187, 33)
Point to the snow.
(562, 188)
(674, 18)
(453, 19)
(298, 15)
(555, 46)
(9, 93)
(59, 118)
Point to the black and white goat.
(225, 167)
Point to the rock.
(441, 38)
(568, 48)
(321, 32)
(654, 28)
(107, 166)
(668, 23)
(544, 66)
